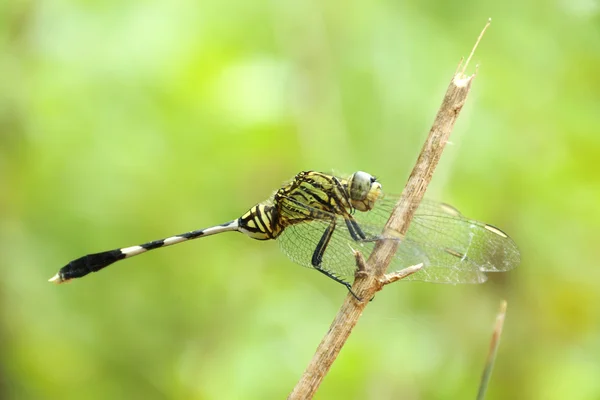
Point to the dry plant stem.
(396, 276)
(366, 286)
(423, 171)
(489, 364)
(371, 279)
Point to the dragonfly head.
(364, 190)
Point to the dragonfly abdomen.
(97, 261)
(261, 222)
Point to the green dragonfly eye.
(364, 190)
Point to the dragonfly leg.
(317, 258)
(355, 232)
(338, 280)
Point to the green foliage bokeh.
(123, 122)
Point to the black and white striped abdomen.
(97, 261)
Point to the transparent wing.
(298, 242)
(452, 248)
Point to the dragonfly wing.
(438, 265)
(300, 239)
(473, 242)
(298, 242)
(453, 249)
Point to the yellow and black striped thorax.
(310, 196)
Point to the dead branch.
(371, 278)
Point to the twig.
(476, 44)
(367, 284)
(489, 364)
(403, 273)
(361, 264)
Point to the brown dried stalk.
(372, 276)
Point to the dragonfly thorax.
(364, 190)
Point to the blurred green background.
(127, 121)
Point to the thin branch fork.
(371, 274)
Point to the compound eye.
(360, 185)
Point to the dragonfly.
(320, 220)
